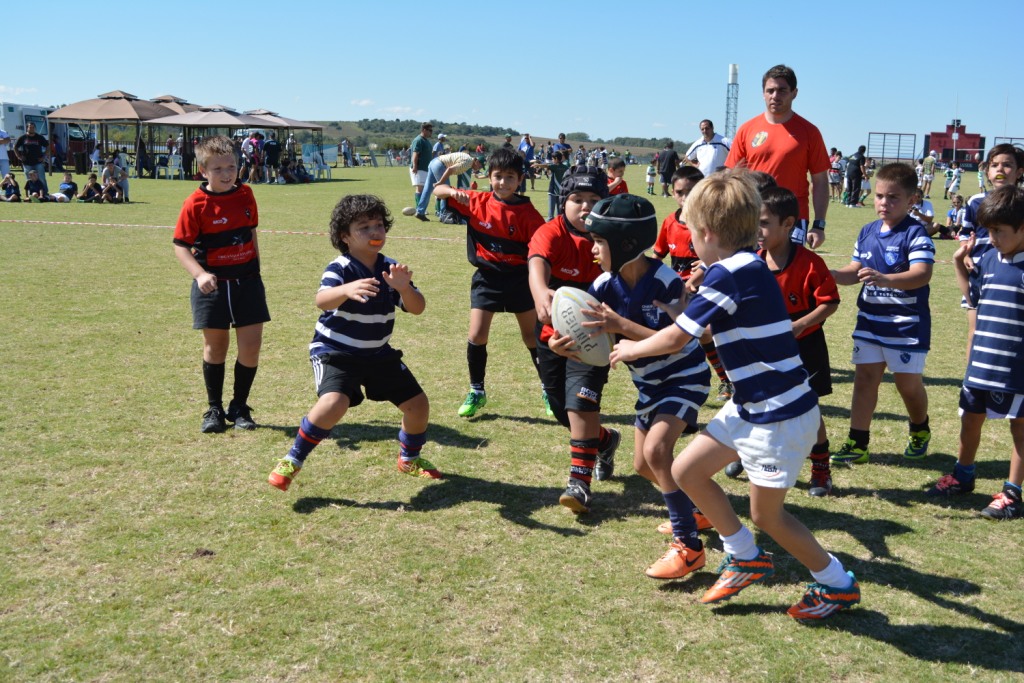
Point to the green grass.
(136, 548)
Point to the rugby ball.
(567, 318)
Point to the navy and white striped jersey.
(894, 318)
(742, 302)
(360, 329)
(679, 376)
(982, 242)
(998, 294)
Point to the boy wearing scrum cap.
(671, 386)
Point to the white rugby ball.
(567, 318)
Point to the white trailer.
(14, 118)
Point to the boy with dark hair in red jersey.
(215, 241)
(560, 255)
(616, 177)
(501, 223)
(811, 296)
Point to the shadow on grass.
(970, 646)
(994, 644)
(516, 503)
(348, 435)
(872, 534)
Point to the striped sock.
(819, 456)
(410, 444)
(584, 454)
(308, 438)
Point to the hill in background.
(398, 133)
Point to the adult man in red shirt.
(787, 146)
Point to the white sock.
(833, 575)
(740, 545)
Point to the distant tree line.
(409, 127)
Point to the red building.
(955, 144)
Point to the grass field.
(136, 548)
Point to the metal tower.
(732, 100)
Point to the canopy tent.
(115, 107)
(204, 119)
(277, 121)
(214, 116)
(175, 104)
(112, 107)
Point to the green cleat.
(917, 446)
(475, 400)
(849, 454)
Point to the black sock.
(244, 377)
(923, 427)
(213, 375)
(476, 355)
(860, 437)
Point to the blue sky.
(605, 68)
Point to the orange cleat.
(735, 575)
(420, 467)
(677, 562)
(282, 475)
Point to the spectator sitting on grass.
(68, 190)
(9, 189)
(112, 192)
(35, 191)
(92, 192)
(301, 174)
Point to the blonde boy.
(772, 420)
(215, 241)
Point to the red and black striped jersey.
(498, 232)
(218, 228)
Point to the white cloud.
(7, 90)
(362, 103)
(658, 125)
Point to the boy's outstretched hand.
(361, 290)
(398, 277)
